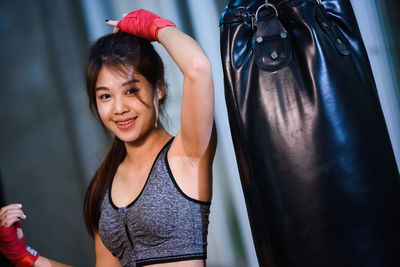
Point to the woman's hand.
(12, 240)
(142, 23)
(10, 214)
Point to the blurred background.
(51, 144)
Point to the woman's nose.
(120, 105)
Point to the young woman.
(148, 203)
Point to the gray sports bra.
(162, 224)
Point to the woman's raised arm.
(197, 111)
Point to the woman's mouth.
(125, 124)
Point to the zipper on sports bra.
(123, 211)
(129, 236)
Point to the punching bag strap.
(331, 30)
(271, 44)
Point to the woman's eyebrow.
(101, 88)
(124, 84)
(130, 82)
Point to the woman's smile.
(126, 123)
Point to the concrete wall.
(43, 145)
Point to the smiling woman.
(149, 201)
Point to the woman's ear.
(160, 90)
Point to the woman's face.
(125, 104)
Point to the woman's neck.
(140, 151)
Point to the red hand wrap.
(14, 248)
(144, 24)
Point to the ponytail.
(99, 184)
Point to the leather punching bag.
(317, 167)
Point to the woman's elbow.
(199, 68)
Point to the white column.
(205, 19)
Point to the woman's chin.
(128, 139)
(134, 137)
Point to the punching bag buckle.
(266, 5)
(254, 18)
(271, 44)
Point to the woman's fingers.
(10, 221)
(9, 207)
(113, 23)
(10, 214)
(11, 217)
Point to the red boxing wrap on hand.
(14, 248)
(144, 24)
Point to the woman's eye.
(131, 91)
(104, 96)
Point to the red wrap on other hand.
(144, 24)
(14, 248)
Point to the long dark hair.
(122, 52)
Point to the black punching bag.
(317, 167)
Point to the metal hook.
(266, 5)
